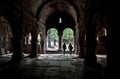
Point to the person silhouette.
(70, 48)
(64, 48)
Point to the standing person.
(64, 48)
(70, 48)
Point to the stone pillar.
(45, 44)
(112, 43)
(90, 43)
(82, 38)
(17, 40)
(76, 38)
(33, 43)
(60, 41)
(42, 43)
(26, 40)
(82, 47)
(16, 28)
(17, 47)
(75, 45)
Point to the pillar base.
(60, 50)
(41, 51)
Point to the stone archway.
(68, 37)
(48, 16)
(52, 40)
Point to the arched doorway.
(68, 37)
(101, 38)
(52, 40)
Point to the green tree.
(68, 35)
(53, 35)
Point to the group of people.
(70, 48)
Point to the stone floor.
(48, 66)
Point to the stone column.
(76, 38)
(112, 43)
(33, 43)
(82, 47)
(42, 43)
(91, 42)
(17, 38)
(82, 38)
(26, 40)
(17, 48)
(60, 41)
(75, 44)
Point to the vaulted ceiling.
(46, 12)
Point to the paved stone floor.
(46, 66)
